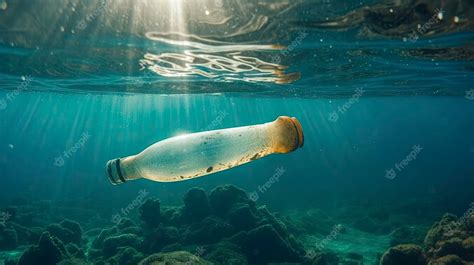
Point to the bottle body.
(198, 154)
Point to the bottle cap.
(299, 130)
(114, 172)
(287, 135)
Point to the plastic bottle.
(193, 155)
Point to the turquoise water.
(387, 118)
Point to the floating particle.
(440, 15)
(3, 5)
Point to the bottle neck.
(121, 170)
(129, 169)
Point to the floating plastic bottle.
(194, 155)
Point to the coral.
(470, 223)
(8, 239)
(408, 254)
(49, 250)
(264, 244)
(60, 232)
(224, 252)
(112, 244)
(111, 241)
(150, 212)
(75, 227)
(242, 217)
(160, 237)
(27, 235)
(178, 257)
(126, 256)
(132, 230)
(208, 231)
(223, 198)
(448, 260)
(280, 227)
(449, 241)
(196, 205)
(104, 234)
(468, 246)
(450, 246)
(225, 226)
(126, 223)
(127, 226)
(172, 216)
(440, 230)
(67, 231)
(450, 236)
(75, 251)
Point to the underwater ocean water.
(384, 92)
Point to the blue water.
(343, 158)
(366, 97)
